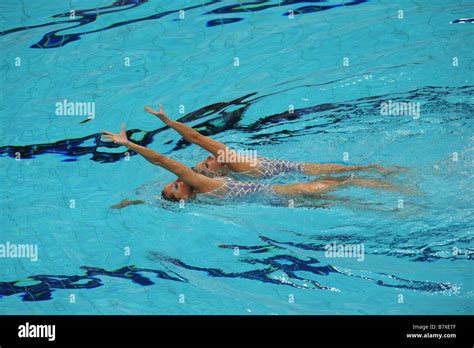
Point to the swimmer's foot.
(126, 203)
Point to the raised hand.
(117, 138)
(160, 114)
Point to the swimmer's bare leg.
(352, 180)
(307, 188)
(331, 183)
(320, 169)
(126, 203)
(379, 184)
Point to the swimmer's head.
(177, 190)
(211, 167)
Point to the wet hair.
(222, 171)
(173, 199)
(168, 198)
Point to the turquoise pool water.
(335, 62)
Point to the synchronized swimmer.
(212, 176)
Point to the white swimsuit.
(232, 188)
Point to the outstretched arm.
(199, 182)
(211, 145)
(218, 149)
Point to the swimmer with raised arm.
(190, 184)
(219, 164)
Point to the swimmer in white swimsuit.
(191, 184)
(225, 160)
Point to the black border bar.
(241, 330)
